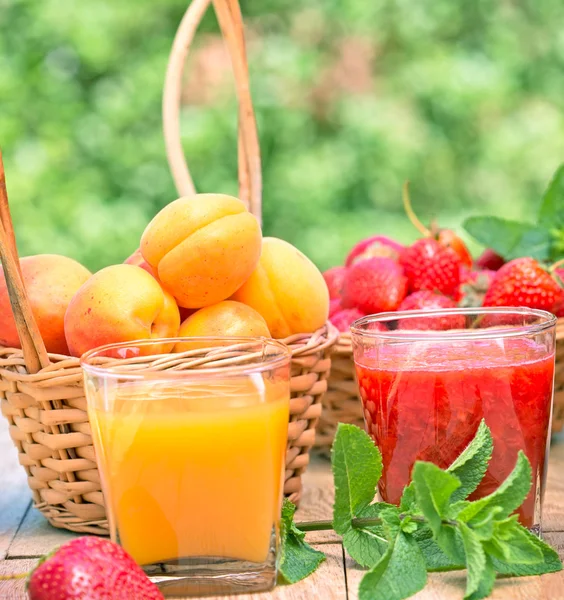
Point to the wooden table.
(25, 535)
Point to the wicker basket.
(42, 395)
(341, 403)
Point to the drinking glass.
(427, 378)
(190, 448)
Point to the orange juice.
(193, 470)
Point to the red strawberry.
(446, 237)
(430, 266)
(345, 318)
(449, 239)
(373, 247)
(490, 260)
(334, 306)
(374, 285)
(89, 568)
(523, 282)
(426, 300)
(334, 279)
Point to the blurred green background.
(353, 97)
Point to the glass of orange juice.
(190, 448)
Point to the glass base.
(213, 576)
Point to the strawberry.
(490, 260)
(446, 237)
(426, 300)
(334, 306)
(449, 239)
(430, 266)
(334, 279)
(372, 247)
(524, 282)
(374, 285)
(344, 318)
(89, 568)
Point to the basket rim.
(178, 365)
(13, 366)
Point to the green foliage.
(297, 559)
(435, 529)
(352, 97)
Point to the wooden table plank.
(14, 589)
(327, 583)
(553, 507)
(15, 496)
(36, 537)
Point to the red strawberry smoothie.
(415, 411)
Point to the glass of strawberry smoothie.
(427, 378)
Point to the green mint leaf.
(508, 497)
(357, 467)
(435, 558)
(511, 544)
(408, 502)
(367, 544)
(475, 559)
(470, 467)
(551, 213)
(399, 574)
(297, 558)
(485, 528)
(551, 562)
(433, 489)
(511, 239)
(486, 583)
(408, 525)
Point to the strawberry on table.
(426, 300)
(430, 266)
(90, 568)
(334, 279)
(374, 285)
(524, 282)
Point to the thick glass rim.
(276, 360)
(546, 321)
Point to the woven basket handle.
(35, 354)
(231, 23)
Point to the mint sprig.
(435, 528)
(543, 240)
(297, 558)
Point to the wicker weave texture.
(342, 405)
(49, 425)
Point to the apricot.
(287, 289)
(120, 303)
(50, 281)
(227, 318)
(202, 247)
(137, 259)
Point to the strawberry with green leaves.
(524, 282)
(90, 568)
